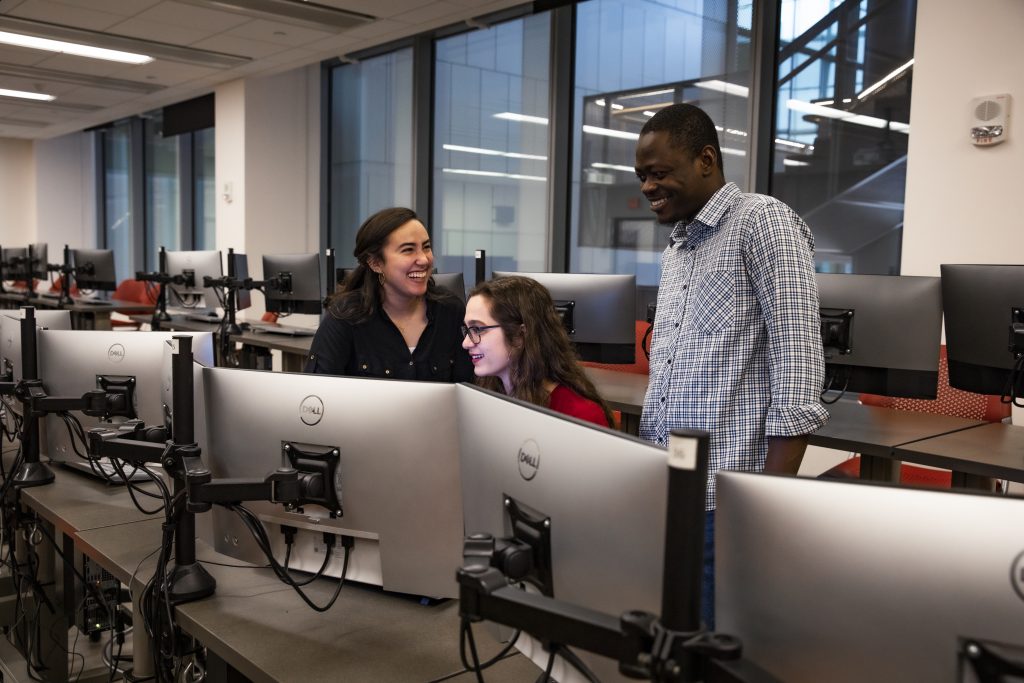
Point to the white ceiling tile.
(233, 45)
(165, 73)
(22, 55)
(177, 14)
(379, 28)
(376, 8)
(161, 31)
(81, 65)
(278, 32)
(428, 12)
(32, 85)
(123, 8)
(95, 96)
(66, 15)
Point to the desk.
(992, 450)
(876, 433)
(294, 350)
(258, 626)
(622, 391)
(83, 316)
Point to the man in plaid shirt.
(736, 348)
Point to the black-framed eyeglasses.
(474, 331)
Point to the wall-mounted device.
(990, 119)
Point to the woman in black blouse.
(390, 320)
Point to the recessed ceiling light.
(77, 49)
(21, 94)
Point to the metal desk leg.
(962, 480)
(876, 468)
(142, 645)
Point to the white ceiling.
(91, 92)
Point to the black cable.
(575, 662)
(645, 341)
(466, 633)
(505, 653)
(546, 677)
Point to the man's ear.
(708, 160)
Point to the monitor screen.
(38, 259)
(881, 333)
(604, 492)
(94, 269)
(598, 311)
(451, 282)
(979, 301)
(397, 472)
(835, 581)
(194, 265)
(238, 268)
(297, 288)
(74, 362)
(15, 263)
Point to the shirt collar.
(709, 216)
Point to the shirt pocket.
(714, 302)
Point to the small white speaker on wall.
(990, 119)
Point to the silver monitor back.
(200, 264)
(71, 361)
(398, 471)
(840, 581)
(10, 334)
(604, 491)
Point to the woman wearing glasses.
(390, 320)
(518, 347)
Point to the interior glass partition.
(117, 196)
(163, 194)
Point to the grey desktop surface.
(281, 342)
(989, 450)
(623, 391)
(261, 627)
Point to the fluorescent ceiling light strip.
(608, 132)
(614, 167)
(492, 174)
(76, 49)
(849, 117)
(492, 152)
(303, 13)
(723, 86)
(110, 41)
(21, 94)
(896, 72)
(52, 75)
(524, 118)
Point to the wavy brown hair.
(362, 294)
(539, 345)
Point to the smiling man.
(736, 349)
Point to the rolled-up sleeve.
(781, 267)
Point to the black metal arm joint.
(280, 486)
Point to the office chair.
(132, 291)
(948, 401)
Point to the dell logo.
(311, 410)
(528, 458)
(1017, 575)
(115, 354)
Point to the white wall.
(65, 198)
(962, 202)
(17, 192)
(229, 164)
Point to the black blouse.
(376, 347)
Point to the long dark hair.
(362, 294)
(539, 345)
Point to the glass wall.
(163, 197)
(634, 57)
(490, 148)
(204, 194)
(371, 144)
(117, 198)
(843, 106)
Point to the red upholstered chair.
(269, 317)
(949, 401)
(57, 283)
(132, 291)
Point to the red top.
(565, 400)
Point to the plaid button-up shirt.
(736, 348)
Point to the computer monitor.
(980, 303)
(881, 333)
(603, 491)
(94, 269)
(825, 580)
(238, 268)
(15, 263)
(599, 312)
(38, 261)
(10, 337)
(451, 282)
(194, 265)
(397, 471)
(74, 362)
(297, 283)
